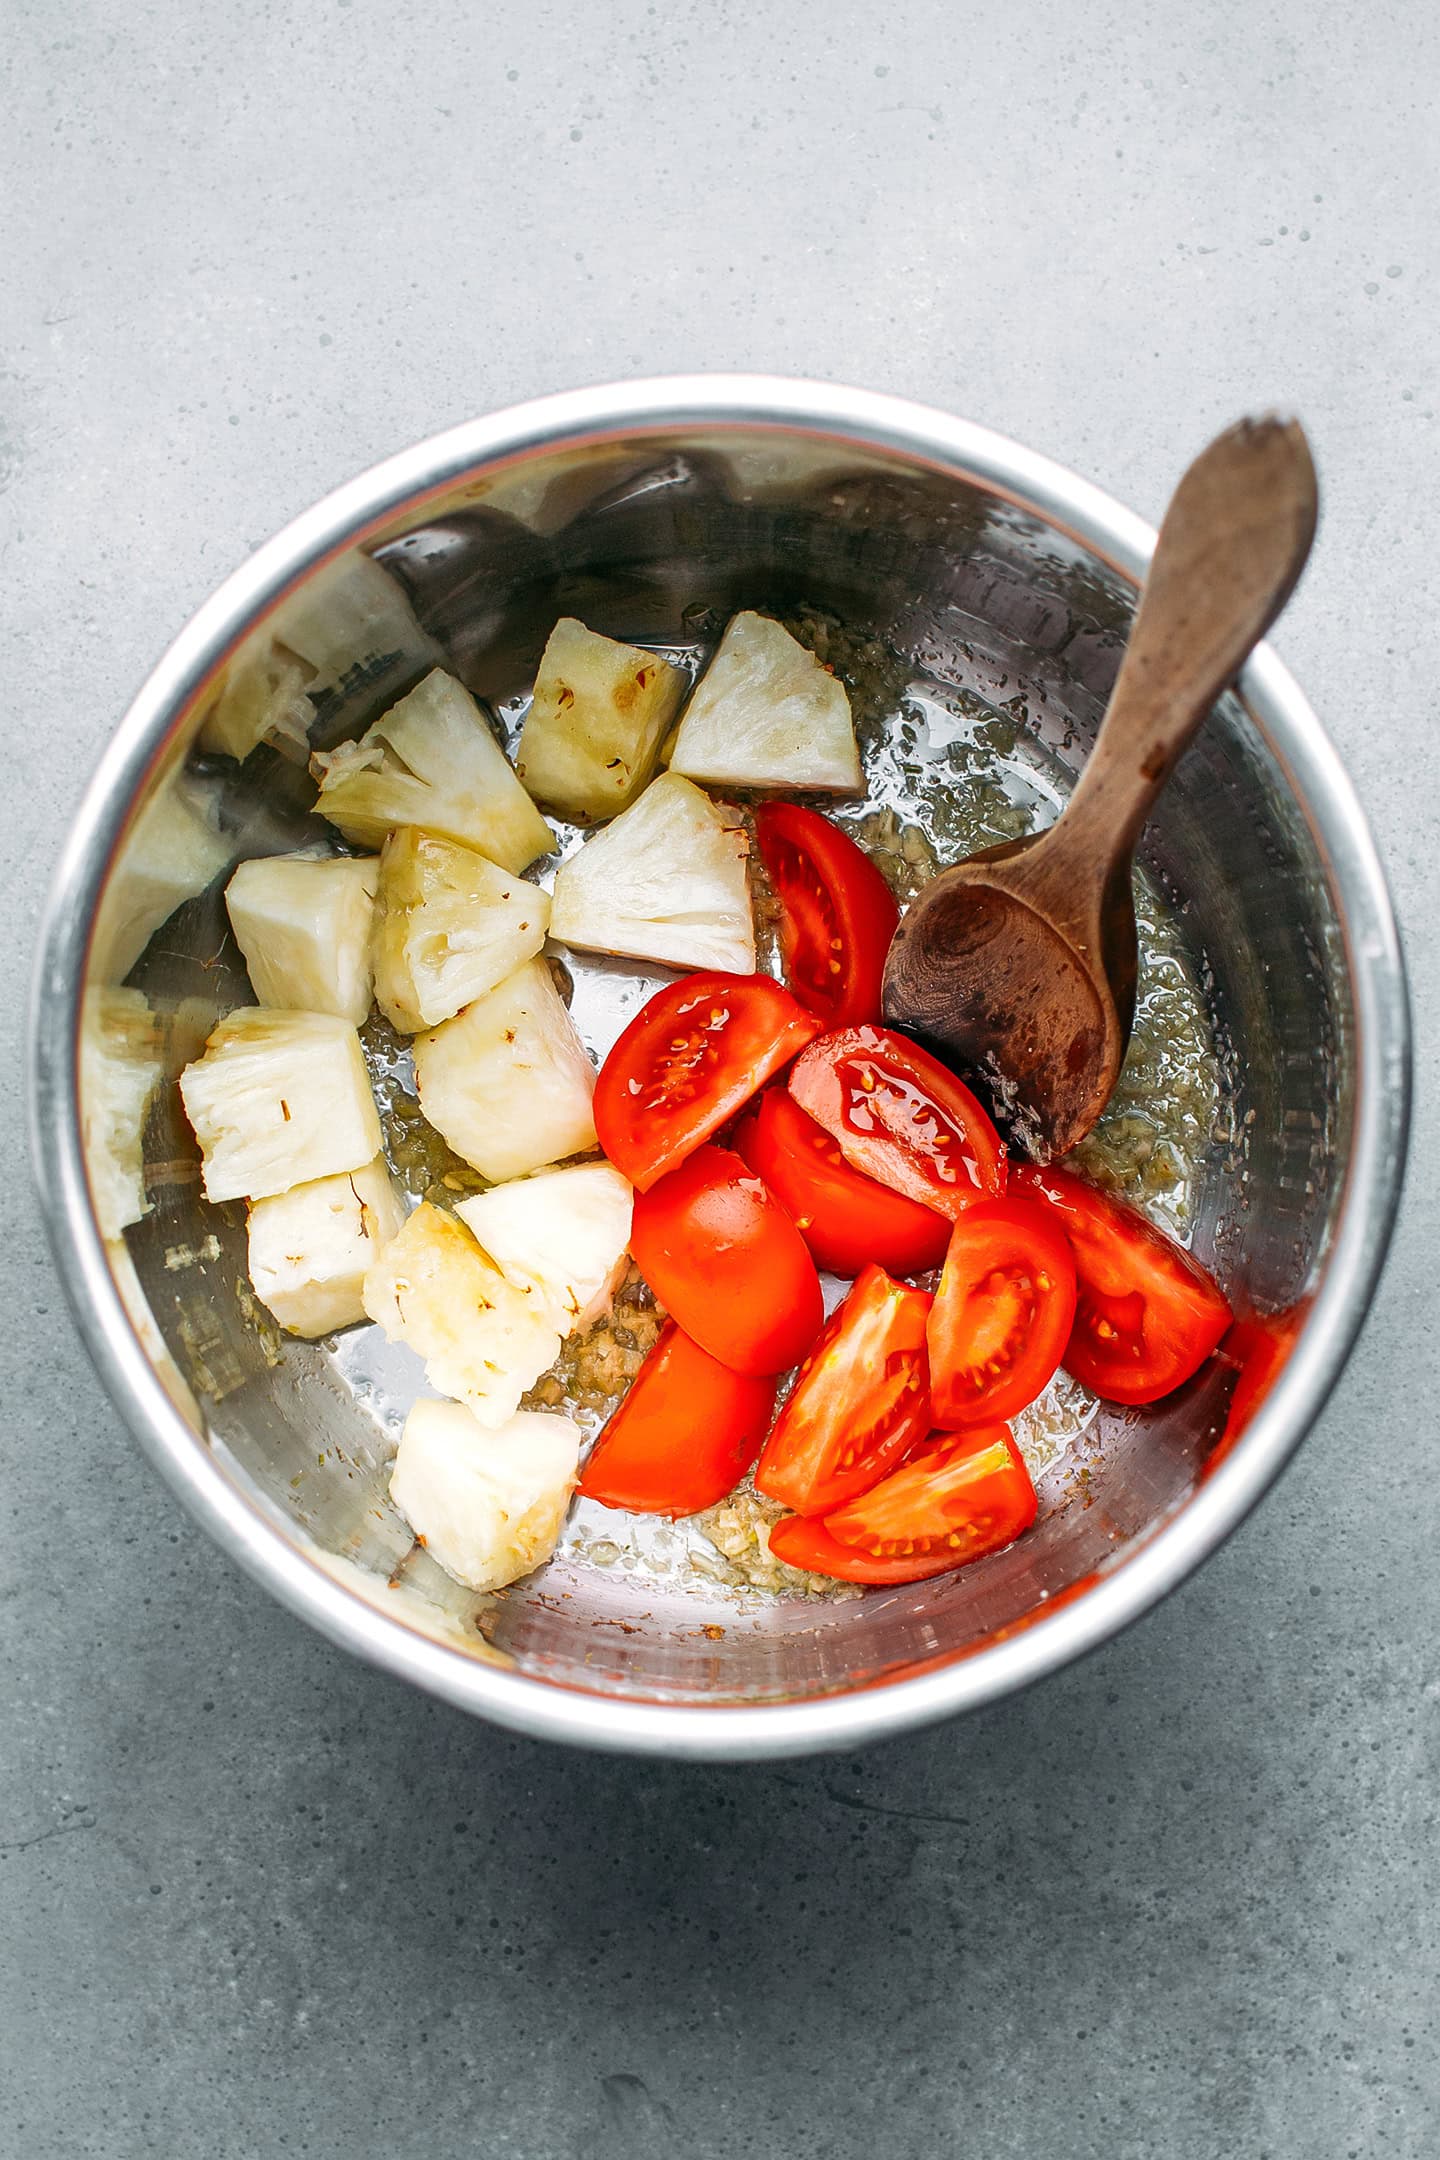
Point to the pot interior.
(994, 638)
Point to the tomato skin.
(838, 915)
(727, 1263)
(693, 1054)
(1147, 1315)
(846, 1218)
(1006, 1299)
(684, 1435)
(802, 1541)
(901, 1118)
(962, 1498)
(862, 1390)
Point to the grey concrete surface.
(1179, 1901)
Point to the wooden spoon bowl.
(1018, 967)
(1019, 995)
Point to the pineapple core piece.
(596, 722)
(487, 1505)
(279, 1099)
(449, 926)
(564, 1233)
(310, 1248)
(314, 1245)
(431, 761)
(666, 881)
(507, 1082)
(483, 1339)
(304, 928)
(767, 714)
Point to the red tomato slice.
(899, 1116)
(803, 1541)
(845, 1218)
(1147, 1315)
(691, 1056)
(961, 1499)
(837, 914)
(685, 1434)
(858, 1404)
(725, 1260)
(1003, 1312)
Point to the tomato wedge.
(1003, 1312)
(837, 914)
(802, 1541)
(845, 1218)
(1147, 1315)
(685, 1434)
(727, 1263)
(858, 1404)
(961, 1499)
(899, 1116)
(693, 1054)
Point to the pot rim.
(239, 1522)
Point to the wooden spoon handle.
(1233, 543)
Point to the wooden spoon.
(1018, 967)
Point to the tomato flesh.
(1003, 1312)
(1146, 1314)
(900, 1117)
(693, 1054)
(966, 1495)
(802, 1541)
(859, 1402)
(959, 1500)
(728, 1264)
(837, 914)
(686, 1433)
(845, 1218)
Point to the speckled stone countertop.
(255, 1899)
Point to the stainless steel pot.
(629, 506)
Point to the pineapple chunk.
(449, 926)
(175, 850)
(262, 700)
(563, 1233)
(665, 882)
(488, 1506)
(767, 714)
(279, 1099)
(119, 1066)
(304, 928)
(598, 717)
(432, 761)
(310, 1248)
(482, 1339)
(507, 1082)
